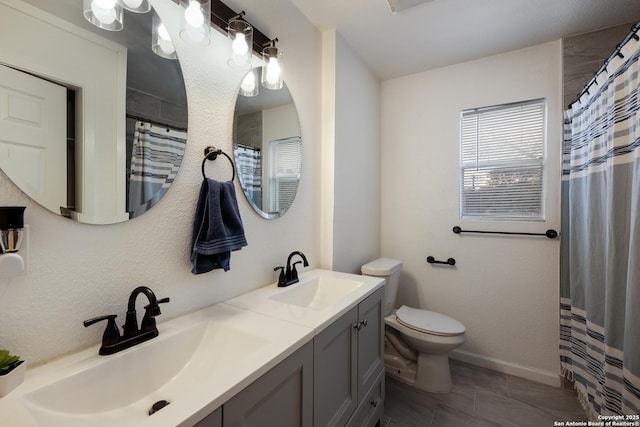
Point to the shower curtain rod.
(155, 122)
(616, 52)
(247, 147)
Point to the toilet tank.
(390, 270)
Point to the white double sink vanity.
(310, 354)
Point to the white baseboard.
(526, 372)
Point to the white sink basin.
(196, 363)
(123, 378)
(318, 292)
(318, 299)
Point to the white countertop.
(209, 377)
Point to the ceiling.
(438, 33)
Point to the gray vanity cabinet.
(214, 419)
(282, 397)
(370, 342)
(348, 366)
(371, 408)
(335, 372)
(335, 380)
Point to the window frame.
(494, 163)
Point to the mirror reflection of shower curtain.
(249, 167)
(155, 160)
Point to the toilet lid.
(429, 321)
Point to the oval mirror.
(97, 123)
(267, 146)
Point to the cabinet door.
(282, 397)
(370, 342)
(334, 366)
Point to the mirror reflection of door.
(113, 82)
(33, 136)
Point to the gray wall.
(584, 54)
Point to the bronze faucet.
(112, 341)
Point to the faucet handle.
(282, 280)
(153, 309)
(150, 312)
(111, 333)
(294, 272)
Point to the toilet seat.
(428, 321)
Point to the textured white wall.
(79, 271)
(503, 289)
(356, 151)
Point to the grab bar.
(432, 260)
(551, 234)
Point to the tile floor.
(480, 398)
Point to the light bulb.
(249, 82)
(166, 46)
(273, 70)
(104, 4)
(240, 46)
(106, 15)
(164, 40)
(193, 15)
(133, 4)
(163, 34)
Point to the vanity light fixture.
(250, 86)
(240, 34)
(137, 6)
(272, 73)
(161, 43)
(105, 14)
(221, 17)
(195, 21)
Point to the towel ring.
(211, 153)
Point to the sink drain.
(157, 406)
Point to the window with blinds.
(284, 172)
(502, 162)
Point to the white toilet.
(417, 342)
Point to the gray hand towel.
(217, 227)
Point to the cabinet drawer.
(371, 409)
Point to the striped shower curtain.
(600, 248)
(249, 166)
(155, 160)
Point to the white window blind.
(502, 162)
(285, 165)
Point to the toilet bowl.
(417, 342)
